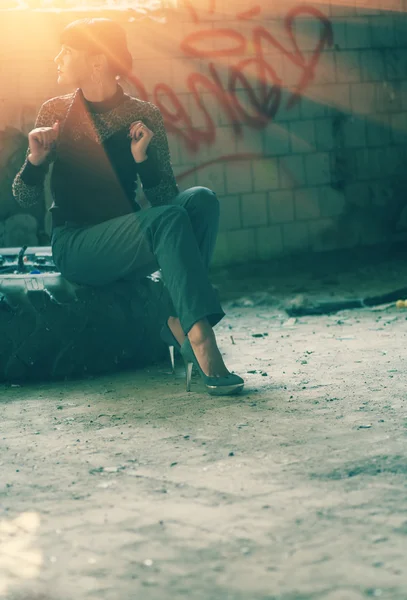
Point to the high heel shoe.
(169, 338)
(216, 386)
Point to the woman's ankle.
(201, 332)
(176, 329)
(205, 348)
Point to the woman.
(100, 139)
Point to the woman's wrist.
(141, 158)
(35, 162)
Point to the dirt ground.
(126, 487)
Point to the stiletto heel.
(168, 338)
(216, 386)
(188, 372)
(172, 358)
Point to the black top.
(105, 105)
(94, 175)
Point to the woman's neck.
(99, 92)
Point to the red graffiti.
(256, 75)
(249, 14)
(237, 47)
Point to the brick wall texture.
(295, 114)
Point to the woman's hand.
(141, 136)
(41, 141)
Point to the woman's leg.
(135, 245)
(202, 206)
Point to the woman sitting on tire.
(99, 140)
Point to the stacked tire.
(51, 328)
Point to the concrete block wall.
(295, 114)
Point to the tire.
(52, 329)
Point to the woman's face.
(73, 67)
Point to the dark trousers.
(178, 238)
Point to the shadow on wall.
(369, 141)
(369, 168)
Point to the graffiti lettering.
(254, 75)
(249, 14)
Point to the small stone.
(373, 592)
(148, 562)
(106, 484)
(231, 453)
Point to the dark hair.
(102, 36)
